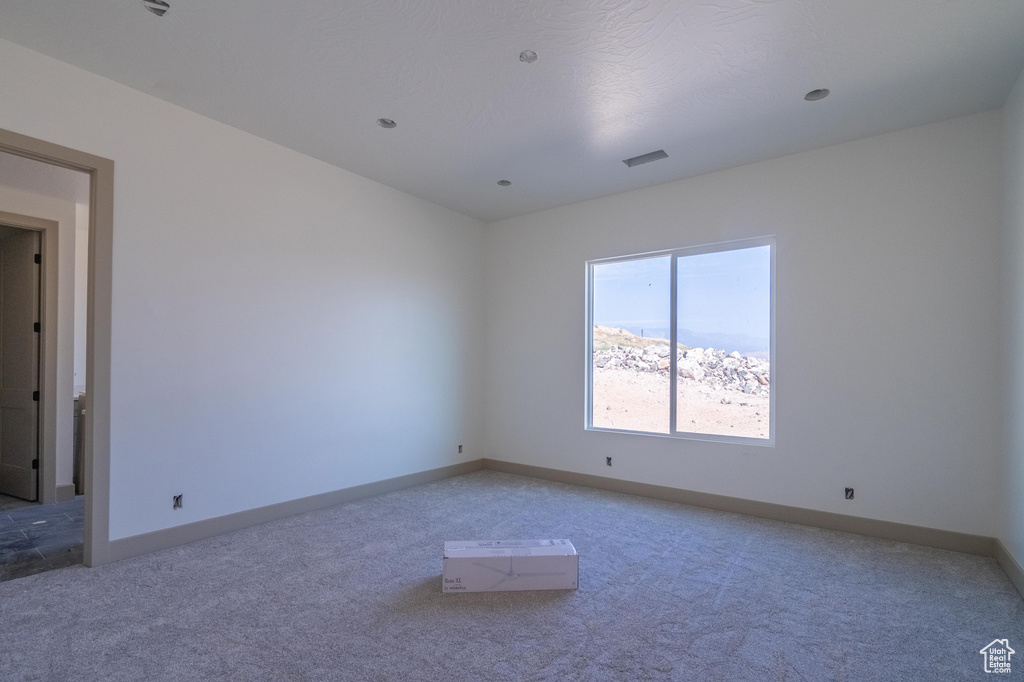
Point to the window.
(713, 304)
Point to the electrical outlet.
(460, 449)
(608, 461)
(849, 493)
(177, 501)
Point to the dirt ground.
(638, 401)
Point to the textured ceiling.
(715, 83)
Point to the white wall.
(281, 327)
(60, 344)
(81, 293)
(887, 317)
(1012, 532)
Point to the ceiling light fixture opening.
(528, 56)
(504, 183)
(815, 95)
(386, 123)
(645, 158)
(157, 7)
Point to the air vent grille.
(645, 158)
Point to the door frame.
(101, 241)
(49, 235)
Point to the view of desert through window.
(718, 393)
(723, 331)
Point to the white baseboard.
(888, 530)
(190, 532)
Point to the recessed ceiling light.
(645, 158)
(528, 56)
(386, 123)
(504, 183)
(157, 7)
(815, 95)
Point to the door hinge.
(35, 464)
(35, 326)
(39, 258)
(35, 396)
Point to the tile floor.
(39, 537)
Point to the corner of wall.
(1011, 526)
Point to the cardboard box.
(500, 565)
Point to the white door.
(19, 363)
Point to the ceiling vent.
(645, 158)
(157, 7)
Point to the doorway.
(41, 517)
(95, 475)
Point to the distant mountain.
(746, 345)
(646, 332)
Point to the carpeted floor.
(666, 592)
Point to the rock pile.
(708, 366)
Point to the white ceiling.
(715, 83)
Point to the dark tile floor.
(39, 537)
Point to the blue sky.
(721, 293)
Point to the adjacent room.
(44, 234)
(730, 295)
